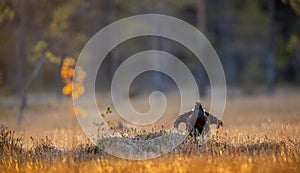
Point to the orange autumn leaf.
(70, 72)
(67, 90)
(63, 74)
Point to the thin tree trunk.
(156, 45)
(114, 53)
(21, 50)
(201, 15)
(26, 87)
(201, 22)
(271, 47)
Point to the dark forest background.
(258, 41)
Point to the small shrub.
(9, 144)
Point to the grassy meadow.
(261, 134)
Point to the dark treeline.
(258, 41)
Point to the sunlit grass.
(236, 151)
(260, 134)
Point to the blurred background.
(258, 42)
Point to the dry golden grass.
(261, 134)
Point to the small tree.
(40, 54)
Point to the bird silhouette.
(197, 119)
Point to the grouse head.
(202, 113)
(199, 108)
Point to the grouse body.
(198, 116)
